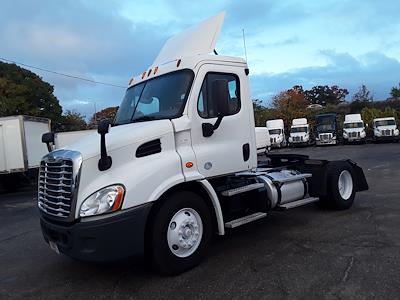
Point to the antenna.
(244, 45)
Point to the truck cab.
(353, 128)
(178, 165)
(299, 132)
(385, 129)
(276, 129)
(326, 129)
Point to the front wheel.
(340, 186)
(180, 233)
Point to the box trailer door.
(3, 166)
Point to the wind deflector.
(199, 39)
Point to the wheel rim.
(185, 231)
(345, 184)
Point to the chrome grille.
(296, 139)
(325, 137)
(387, 132)
(56, 187)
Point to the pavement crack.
(348, 269)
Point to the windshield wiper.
(144, 118)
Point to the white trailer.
(263, 141)
(179, 165)
(21, 148)
(276, 129)
(353, 128)
(299, 132)
(385, 129)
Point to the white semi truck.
(385, 129)
(353, 128)
(299, 132)
(179, 164)
(276, 129)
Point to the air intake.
(149, 148)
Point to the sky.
(289, 42)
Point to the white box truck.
(263, 142)
(385, 129)
(299, 132)
(276, 129)
(179, 164)
(20, 143)
(64, 139)
(21, 149)
(353, 128)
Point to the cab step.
(242, 189)
(245, 220)
(297, 203)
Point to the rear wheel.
(340, 186)
(180, 233)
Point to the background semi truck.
(276, 129)
(385, 129)
(353, 128)
(299, 132)
(20, 147)
(179, 165)
(326, 129)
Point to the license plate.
(54, 247)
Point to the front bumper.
(326, 142)
(100, 240)
(387, 138)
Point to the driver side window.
(207, 106)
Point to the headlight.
(396, 132)
(106, 200)
(345, 135)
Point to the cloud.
(376, 70)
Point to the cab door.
(229, 148)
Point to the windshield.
(298, 129)
(275, 131)
(163, 97)
(384, 123)
(325, 127)
(354, 125)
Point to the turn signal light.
(189, 164)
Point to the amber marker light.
(178, 63)
(143, 74)
(148, 73)
(155, 70)
(118, 200)
(189, 164)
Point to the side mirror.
(48, 139)
(105, 161)
(220, 95)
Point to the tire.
(339, 198)
(179, 208)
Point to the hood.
(359, 129)
(121, 136)
(387, 127)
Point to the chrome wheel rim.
(184, 232)
(345, 184)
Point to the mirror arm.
(218, 122)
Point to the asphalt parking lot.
(303, 253)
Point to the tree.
(324, 95)
(25, 93)
(106, 113)
(395, 92)
(72, 120)
(363, 95)
(290, 104)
